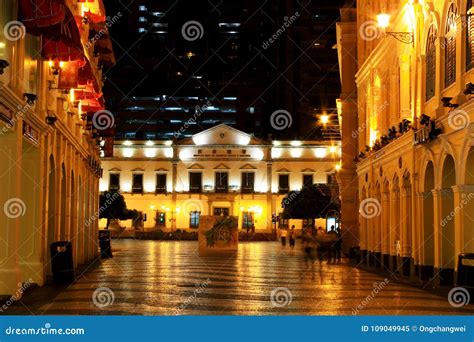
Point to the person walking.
(292, 236)
(283, 235)
(309, 247)
(332, 247)
(338, 245)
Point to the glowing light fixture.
(296, 143)
(332, 149)
(383, 20)
(149, 143)
(324, 119)
(127, 143)
(320, 152)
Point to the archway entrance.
(428, 245)
(448, 180)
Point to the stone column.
(385, 230)
(463, 195)
(405, 225)
(10, 169)
(437, 210)
(270, 205)
(394, 227)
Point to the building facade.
(414, 134)
(49, 157)
(219, 171)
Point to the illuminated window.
(195, 182)
(194, 219)
(247, 220)
(248, 181)
(450, 47)
(431, 63)
(469, 36)
(283, 184)
(283, 222)
(137, 187)
(307, 181)
(114, 182)
(222, 181)
(160, 184)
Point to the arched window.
(431, 63)
(450, 46)
(469, 35)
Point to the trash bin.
(466, 270)
(62, 264)
(104, 243)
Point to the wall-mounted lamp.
(30, 98)
(3, 64)
(55, 66)
(447, 102)
(383, 21)
(469, 89)
(51, 119)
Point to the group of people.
(317, 243)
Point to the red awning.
(37, 14)
(87, 93)
(63, 40)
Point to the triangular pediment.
(283, 170)
(161, 169)
(116, 169)
(308, 170)
(222, 135)
(196, 166)
(138, 169)
(222, 166)
(248, 167)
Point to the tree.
(310, 203)
(113, 207)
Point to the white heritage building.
(219, 171)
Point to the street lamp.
(324, 119)
(383, 21)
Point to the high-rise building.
(234, 62)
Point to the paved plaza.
(169, 278)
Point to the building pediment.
(196, 166)
(161, 169)
(248, 167)
(223, 135)
(283, 170)
(138, 169)
(115, 169)
(222, 166)
(307, 170)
